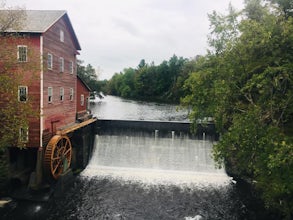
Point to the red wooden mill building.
(54, 138)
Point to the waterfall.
(154, 160)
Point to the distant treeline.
(152, 82)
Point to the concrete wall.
(164, 129)
(82, 145)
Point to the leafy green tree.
(245, 83)
(16, 112)
(145, 79)
(285, 6)
(89, 75)
(151, 82)
(114, 83)
(141, 64)
(128, 88)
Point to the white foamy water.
(155, 161)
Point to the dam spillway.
(154, 153)
(155, 161)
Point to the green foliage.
(252, 149)
(149, 82)
(13, 113)
(246, 83)
(90, 76)
(16, 115)
(285, 6)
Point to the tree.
(14, 114)
(11, 18)
(246, 83)
(141, 64)
(150, 82)
(16, 111)
(89, 75)
(254, 10)
(285, 6)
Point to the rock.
(4, 201)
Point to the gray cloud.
(116, 34)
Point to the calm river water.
(112, 107)
(132, 177)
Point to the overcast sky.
(116, 34)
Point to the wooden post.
(39, 167)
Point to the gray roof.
(39, 21)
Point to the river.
(135, 177)
(112, 107)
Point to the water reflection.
(112, 107)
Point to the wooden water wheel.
(58, 155)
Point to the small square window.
(61, 94)
(50, 61)
(71, 94)
(50, 94)
(81, 100)
(22, 53)
(23, 135)
(61, 36)
(61, 62)
(22, 93)
(71, 69)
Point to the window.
(50, 94)
(50, 61)
(81, 100)
(61, 36)
(61, 94)
(22, 53)
(71, 94)
(22, 93)
(23, 135)
(71, 69)
(61, 62)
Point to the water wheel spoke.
(67, 152)
(56, 158)
(56, 166)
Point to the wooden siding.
(29, 75)
(58, 113)
(32, 79)
(82, 90)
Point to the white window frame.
(50, 94)
(82, 99)
(22, 92)
(23, 135)
(22, 55)
(71, 68)
(61, 94)
(71, 93)
(50, 61)
(61, 35)
(61, 65)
